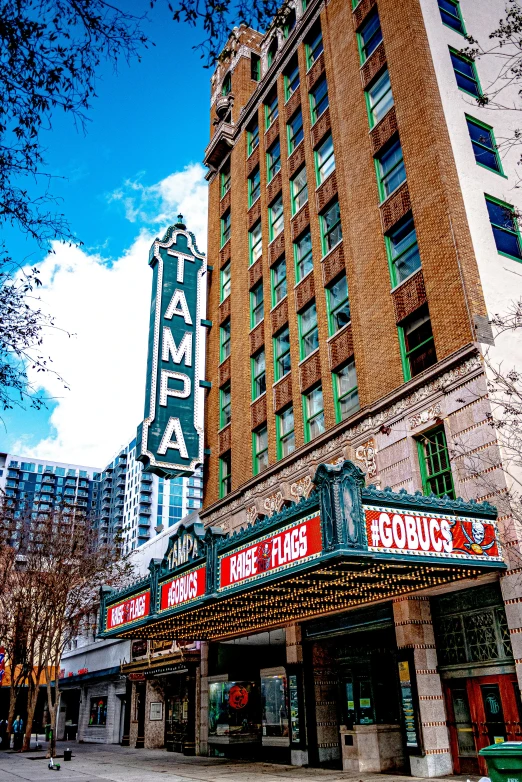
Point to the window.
(278, 276)
(369, 36)
(255, 67)
(252, 137)
(98, 712)
(292, 80)
(254, 187)
(225, 409)
(313, 409)
(505, 228)
(295, 131)
(255, 243)
(314, 47)
(465, 74)
(308, 330)
(260, 448)
(271, 110)
(285, 433)
(338, 305)
(225, 474)
(282, 354)
(258, 366)
(318, 99)
(290, 23)
(346, 395)
(303, 256)
(257, 310)
(273, 160)
(379, 98)
(225, 281)
(276, 218)
(224, 340)
(451, 15)
(390, 169)
(403, 251)
(299, 190)
(324, 160)
(331, 231)
(435, 464)
(272, 51)
(225, 228)
(484, 146)
(226, 87)
(419, 346)
(225, 180)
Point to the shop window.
(505, 228)
(255, 242)
(391, 172)
(98, 712)
(324, 160)
(273, 160)
(282, 364)
(299, 190)
(379, 98)
(403, 250)
(369, 35)
(295, 131)
(225, 180)
(465, 74)
(435, 463)
(318, 99)
(276, 218)
(225, 407)
(346, 394)
(226, 227)
(225, 474)
(285, 432)
(225, 282)
(314, 46)
(234, 711)
(260, 449)
(271, 109)
(291, 78)
(313, 413)
(258, 366)
(252, 137)
(338, 304)
(417, 343)
(274, 697)
(257, 309)
(224, 341)
(331, 230)
(254, 187)
(484, 146)
(308, 330)
(303, 256)
(255, 67)
(279, 283)
(451, 15)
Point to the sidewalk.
(112, 763)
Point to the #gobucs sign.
(392, 531)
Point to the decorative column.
(414, 630)
(295, 683)
(203, 700)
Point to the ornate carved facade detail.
(373, 65)
(301, 488)
(326, 192)
(273, 503)
(333, 263)
(251, 514)
(365, 455)
(321, 127)
(425, 416)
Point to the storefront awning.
(344, 546)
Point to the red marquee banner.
(183, 589)
(129, 611)
(390, 530)
(291, 546)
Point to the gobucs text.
(414, 533)
(182, 589)
(286, 547)
(132, 609)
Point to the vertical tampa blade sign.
(170, 439)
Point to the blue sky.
(124, 182)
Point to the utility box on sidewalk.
(504, 761)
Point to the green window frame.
(225, 406)
(402, 250)
(331, 229)
(226, 227)
(465, 74)
(282, 360)
(379, 98)
(225, 282)
(255, 243)
(271, 110)
(324, 160)
(308, 330)
(272, 51)
(506, 230)
(369, 35)
(258, 374)
(254, 186)
(390, 168)
(285, 432)
(225, 180)
(313, 413)
(314, 47)
(346, 394)
(273, 161)
(225, 474)
(292, 79)
(255, 67)
(417, 343)
(294, 131)
(276, 218)
(290, 23)
(224, 341)
(252, 138)
(278, 281)
(451, 15)
(226, 86)
(260, 449)
(303, 257)
(257, 307)
(435, 464)
(318, 99)
(484, 146)
(299, 190)
(337, 304)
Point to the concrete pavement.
(112, 763)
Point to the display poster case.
(233, 712)
(274, 707)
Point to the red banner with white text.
(128, 611)
(183, 589)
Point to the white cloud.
(106, 307)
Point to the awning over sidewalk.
(344, 546)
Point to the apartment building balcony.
(145, 512)
(146, 489)
(144, 500)
(221, 143)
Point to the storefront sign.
(393, 531)
(183, 589)
(128, 611)
(170, 440)
(292, 545)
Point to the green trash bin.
(504, 761)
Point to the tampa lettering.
(287, 547)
